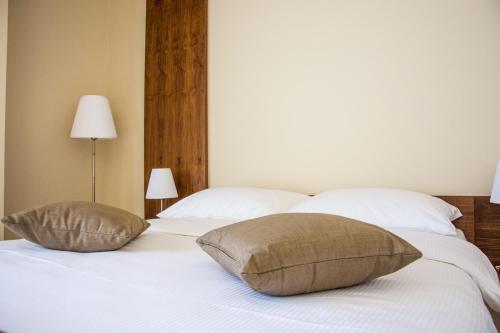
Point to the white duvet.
(162, 282)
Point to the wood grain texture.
(488, 228)
(467, 222)
(175, 123)
(480, 223)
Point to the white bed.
(162, 282)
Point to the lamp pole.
(93, 168)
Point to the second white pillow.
(388, 208)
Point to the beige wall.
(59, 50)
(123, 181)
(310, 95)
(4, 8)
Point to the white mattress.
(162, 282)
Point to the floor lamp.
(93, 120)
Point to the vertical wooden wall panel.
(175, 124)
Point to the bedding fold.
(461, 254)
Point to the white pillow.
(239, 203)
(387, 208)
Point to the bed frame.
(480, 223)
(467, 222)
(175, 127)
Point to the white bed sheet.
(162, 282)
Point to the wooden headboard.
(480, 223)
(467, 222)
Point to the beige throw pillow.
(77, 226)
(295, 253)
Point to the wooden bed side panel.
(488, 228)
(467, 222)
(175, 121)
(480, 223)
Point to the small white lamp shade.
(93, 119)
(161, 185)
(495, 192)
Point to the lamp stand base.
(93, 168)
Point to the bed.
(163, 282)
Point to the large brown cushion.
(77, 226)
(295, 253)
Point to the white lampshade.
(161, 185)
(495, 192)
(93, 119)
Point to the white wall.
(309, 95)
(4, 13)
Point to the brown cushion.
(295, 253)
(77, 226)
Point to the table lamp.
(495, 192)
(161, 185)
(93, 120)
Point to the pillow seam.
(221, 250)
(327, 260)
(58, 229)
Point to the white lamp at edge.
(495, 192)
(161, 185)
